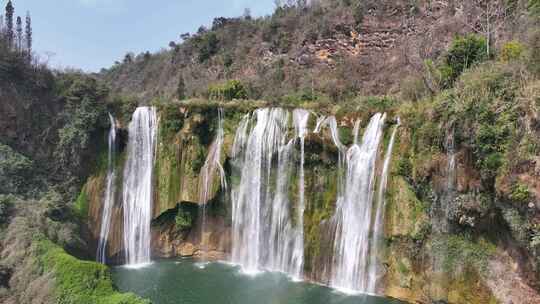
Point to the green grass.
(81, 204)
(80, 282)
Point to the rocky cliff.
(450, 231)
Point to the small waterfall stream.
(354, 211)
(108, 201)
(206, 180)
(137, 187)
(374, 266)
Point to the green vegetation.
(534, 7)
(206, 44)
(6, 207)
(81, 205)
(15, 171)
(84, 107)
(232, 89)
(79, 282)
(463, 53)
(512, 51)
(460, 251)
(520, 193)
(183, 220)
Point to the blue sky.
(92, 34)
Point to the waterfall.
(319, 124)
(264, 233)
(356, 130)
(354, 210)
(108, 201)
(451, 150)
(331, 123)
(206, 182)
(137, 186)
(379, 213)
(300, 120)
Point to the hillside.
(334, 49)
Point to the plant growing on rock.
(520, 193)
(183, 220)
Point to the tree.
(19, 44)
(2, 32)
(185, 36)
(181, 88)
(247, 14)
(10, 10)
(463, 53)
(28, 34)
(487, 17)
(128, 58)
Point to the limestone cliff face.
(426, 256)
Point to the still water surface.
(188, 282)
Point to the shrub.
(207, 46)
(463, 53)
(15, 170)
(183, 220)
(512, 51)
(520, 193)
(6, 204)
(232, 89)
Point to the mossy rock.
(80, 282)
(407, 216)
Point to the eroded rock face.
(170, 242)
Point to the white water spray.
(206, 182)
(137, 187)
(264, 234)
(300, 120)
(353, 212)
(108, 201)
(374, 266)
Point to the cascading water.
(331, 123)
(300, 120)
(108, 201)
(206, 182)
(264, 234)
(379, 213)
(252, 194)
(137, 186)
(320, 120)
(354, 210)
(356, 131)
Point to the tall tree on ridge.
(28, 34)
(10, 10)
(2, 34)
(19, 29)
